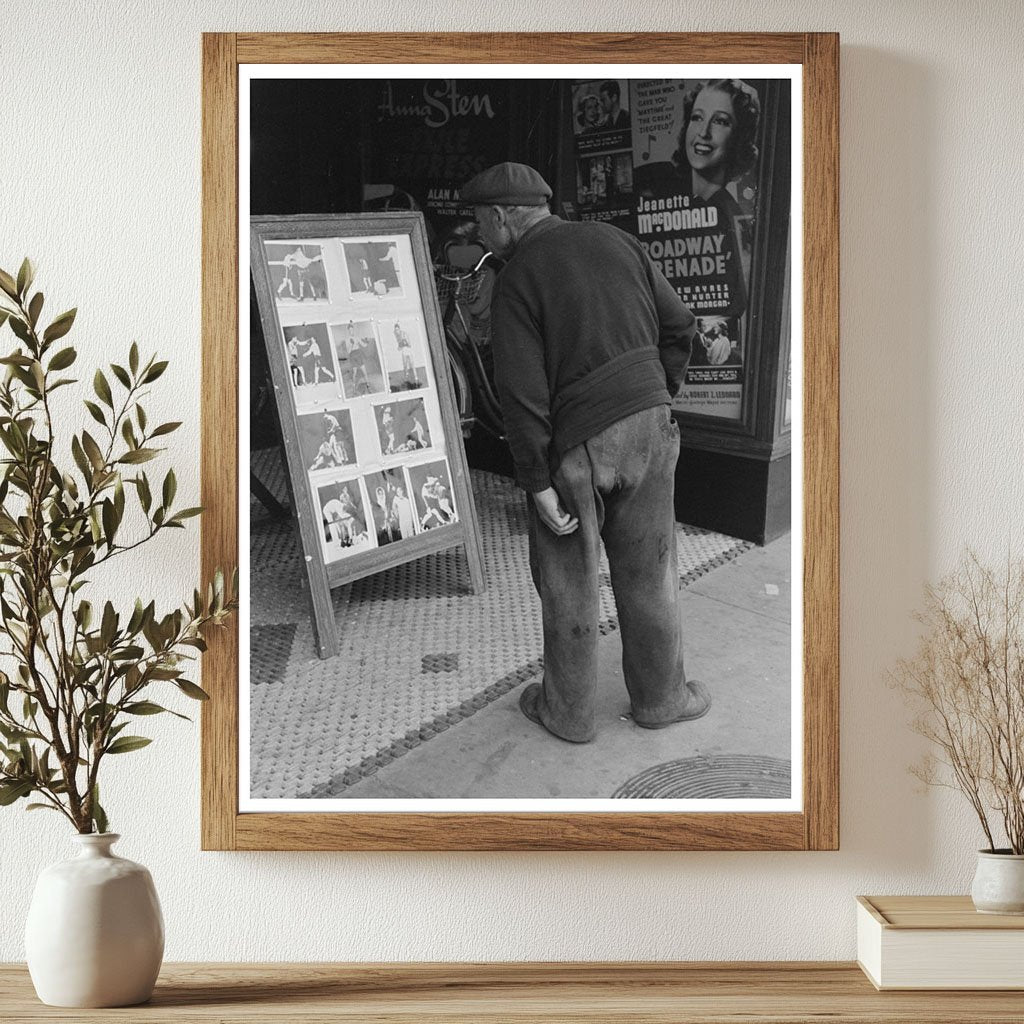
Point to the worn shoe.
(528, 705)
(697, 707)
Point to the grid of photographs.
(370, 435)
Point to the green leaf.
(63, 359)
(126, 744)
(170, 488)
(99, 816)
(128, 433)
(133, 357)
(80, 458)
(131, 653)
(185, 513)
(121, 374)
(140, 415)
(92, 449)
(8, 284)
(119, 498)
(4, 314)
(95, 412)
(135, 622)
(191, 690)
(144, 707)
(109, 521)
(15, 790)
(42, 807)
(138, 455)
(26, 274)
(84, 614)
(35, 308)
(154, 372)
(60, 326)
(20, 328)
(145, 497)
(102, 388)
(108, 627)
(166, 428)
(16, 359)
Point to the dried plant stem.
(967, 682)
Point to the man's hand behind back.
(552, 515)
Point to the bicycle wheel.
(463, 392)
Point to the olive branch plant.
(966, 681)
(74, 676)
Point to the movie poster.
(602, 135)
(695, 155)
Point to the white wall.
(100, 183)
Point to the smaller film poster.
(601, 118)
(697, 145)
(713, 384)
(601, 124)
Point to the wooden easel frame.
(323, 578)
(816, 826)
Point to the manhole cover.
(735, 777)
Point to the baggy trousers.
(620, 486)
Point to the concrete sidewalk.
(737, 621)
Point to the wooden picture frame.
(816, 825)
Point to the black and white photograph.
(716, 343)
(326, 439)
(344, 522)
(405, 357)
(297, 273)
(374, 269)
(394, 516)
(559, 565)
(402, 426)
(358, 355)
(601, 106)
(431, 486)
(310, 364)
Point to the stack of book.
(938, 942)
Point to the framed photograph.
(719, 153)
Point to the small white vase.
(999, 883)
(95, 933)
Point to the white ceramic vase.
(95, 933)
(999, 883)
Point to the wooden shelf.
(660, 993)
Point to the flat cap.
(506, 184)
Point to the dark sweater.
(586, 331)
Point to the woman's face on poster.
(709, 131)
(591, 110)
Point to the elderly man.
(589, 343)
